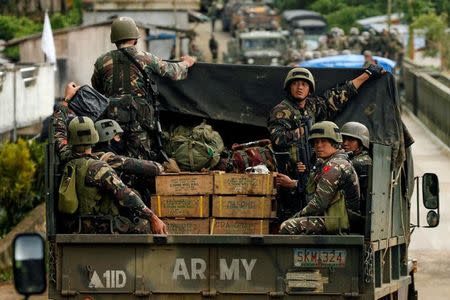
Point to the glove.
(374, 71)
(171, 166)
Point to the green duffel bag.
(198, 148)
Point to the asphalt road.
(431, 246)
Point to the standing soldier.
(117, 74)
(214, 48)
(332, 188)
(100, 191)
(288, 119)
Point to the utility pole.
(389, 12)
(410, 11)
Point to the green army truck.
(372, 263)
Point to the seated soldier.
(356, 139)
(332, 189)
(101, 192)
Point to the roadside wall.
(427, 95)
(27, 95)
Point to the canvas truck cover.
(245, 94)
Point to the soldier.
(61, 117)
(100, 191)
(285, 118)
(332, 188)
(368, 59)
(356, 139)
(299, 106)
(116, 75)
(214, 48)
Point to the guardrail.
(27, 94)
(427, 95)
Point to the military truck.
(257, 48)
(236, 99)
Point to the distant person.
(102, 193)
(116, 75)
(214, 48)
(368, 59)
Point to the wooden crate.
(184, 184)
(259, 207)
(239, 226)
(244, 184)
(181, 206)
(187, 226)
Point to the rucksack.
(196, 148)
(253, 154)
(68, 199)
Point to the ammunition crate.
(187, 226)
(244, 184)
(259, 207)
(239, 226)
(194, 206)
(184, 184)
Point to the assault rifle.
(152, 99)
(304, 153)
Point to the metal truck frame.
(372, 264)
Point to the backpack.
(68, 199)
(196, 148)
(252, 154)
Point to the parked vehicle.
(257, 47)
(311, 22)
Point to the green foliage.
(346, 16)
(12, 27)
(437, 39)
(5, 275)
(17, 172)
(13, 53)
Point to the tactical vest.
(91, 201)
(293, 149)
(336, 217)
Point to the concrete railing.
(427, 95)
(27, 95)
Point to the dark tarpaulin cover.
(245, 94)
(87, 102)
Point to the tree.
(438, 39)
(17, 171)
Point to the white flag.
(47, 43)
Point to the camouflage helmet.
(124, 28)
(358, 131)
(325, 130)
(300, 73)
(354, 31)
(107, 129)
(82, 132)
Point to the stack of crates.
(183, 202)
(215, 203)
(242, 203)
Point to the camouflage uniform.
(362, 162)
(117, 77)
(336, 175)
(106, 196)
(123, 164)
(285, 117)
(61, 117)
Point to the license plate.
(319, 258)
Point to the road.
(431, 246)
